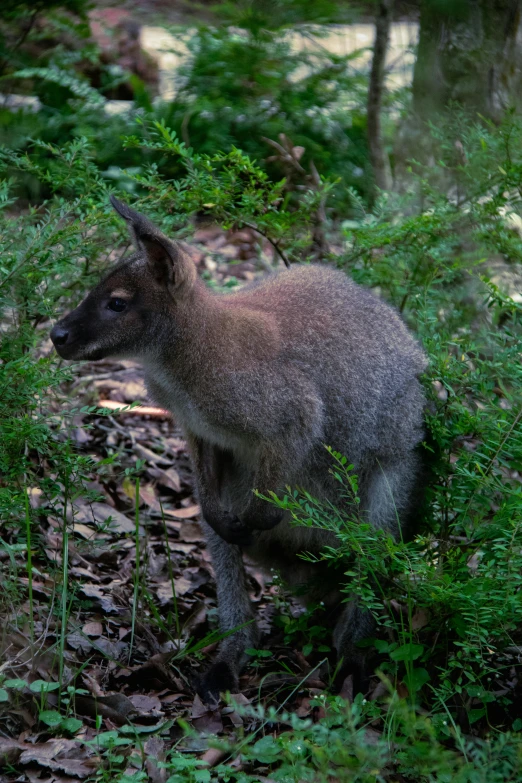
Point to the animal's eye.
(116, 304)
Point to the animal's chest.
(200, 419)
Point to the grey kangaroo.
(260, 380)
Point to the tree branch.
(273, 242)
(378, 157)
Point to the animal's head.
(135, 303)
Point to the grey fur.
(260, 380)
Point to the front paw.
(230, 528)
(263, 520)
(218, 679)
(357, 668)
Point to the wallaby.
(260, 380)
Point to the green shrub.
(241, 88)
(449, 602)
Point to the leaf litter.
(123, 671)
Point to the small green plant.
(257, 656)
(302, 630)
(58, 724)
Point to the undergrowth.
(448, 600)
(242, 85)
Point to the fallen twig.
(139, 410)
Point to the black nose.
(59, 335)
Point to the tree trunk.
(378, 156)
(470, 54)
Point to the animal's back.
(321, 314)
(356, 350)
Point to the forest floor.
(140, 671)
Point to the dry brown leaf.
(167, 478)
(240, 699)
(41, 589)
(229, 251)
(175, 445)
(346, 691)
(146, 494)
(180, 546)
(123, 392)
(83, 572)
(147, 454)
(301, 661)
(205, 720)
(35, 496)
(171, 698)
(89, 533)
(214, 756)
(233, 716)
(398, 607)
(372, 737)
(34, 775)
(154, 752)
(208, 234)
(164, 590)
(379, 691)
(100, 513)
(10, 750)
(96, 592)
(197, 575)
(94, 628)
(81, 436)
(52, 754)
(420, 619)
(304, 709)
(77, 641)
(183, 513)
(191, 531)
(198, 708)
(114, 650)
(91, 681)
(116, 706)
(119, 522)
(146, 704)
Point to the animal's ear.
(168, 262)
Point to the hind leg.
(393, 493)
(354, 625)
(389, 500)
